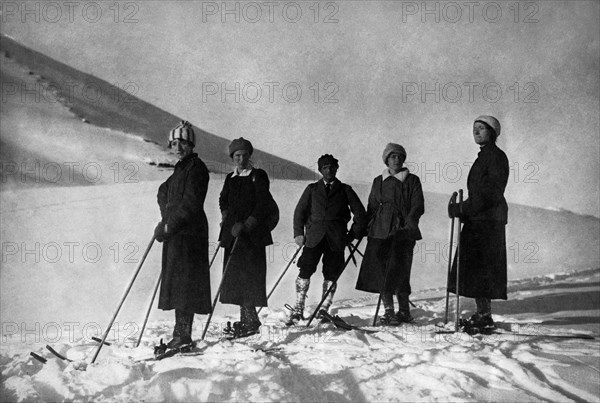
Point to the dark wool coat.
(327, 214)
(243, 197)
(185, 283)
(482, 239)
(394, 210)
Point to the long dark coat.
(327, 214)
(240, 198)
(185, 283)
(482, 239)
(394, 210)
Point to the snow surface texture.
(407, 363)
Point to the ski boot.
(478, 324)
(241, 329)
(294, 317)
(404, 317)
(389, 318)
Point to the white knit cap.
(393, 148)
(183, 131)
(490, 121)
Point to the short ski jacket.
(395, 207)
(327, 214)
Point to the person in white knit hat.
(396, 204)
(483, 269)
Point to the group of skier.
(390, 223)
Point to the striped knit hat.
(183, 131)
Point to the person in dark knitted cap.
(396, 204)
(483, 267)
(243, 202)
(183, 230)
(320, 225)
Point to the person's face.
(241, 159)
(395, 161)
(481, 133)
(181, 148)
(328, 171)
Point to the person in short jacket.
(183, 230)
(483, 272)
(396, 204)
(243, 202)
(320, 225)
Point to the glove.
(451, 203)
(159, 232)
(237, 229)
(299, 240)
(454, 211)
(250, 224)
(350, 237)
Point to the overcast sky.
(369, 72)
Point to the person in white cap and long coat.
(485, 215)
(395, 206)
(183, 230)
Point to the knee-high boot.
(302, 285)
(329, 300)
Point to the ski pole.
(331, 286)
(460, 207)
(214, 256)
(154, 296)
(149, 310)
(280, 277)
(214, 305)
(388, 269)
(123, 299)
(450, 203)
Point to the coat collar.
(335, 184)
(185, 160)
(243, 172)
(401, 176)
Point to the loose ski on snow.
(499, 331)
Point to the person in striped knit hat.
(183, 230)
